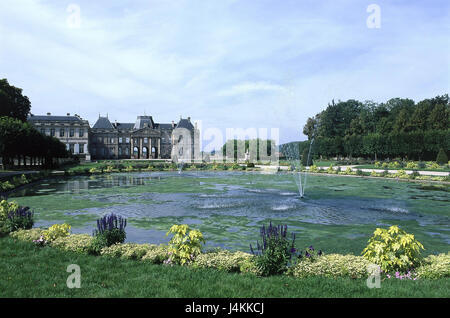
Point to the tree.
(441, 157)
(12, 102)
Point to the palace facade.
(143, 139)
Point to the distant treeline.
(397, 128)
(20, 141)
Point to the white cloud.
(229, 63)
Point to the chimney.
(68, 114)
(189, 119)
(48, 114)
(173, 124)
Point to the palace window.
(61, 132)
(72, 148)
(71, 132)
(81, 133)
(127, 140)
(145, 140)
(120, 140)
(43, 131)
(81, 148)
(52, 132)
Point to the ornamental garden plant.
(397, 252)
(110, 230)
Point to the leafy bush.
(275, 251)
(433, 165)
(434, 267)
(127, 250)
(110, 230)
(401, 174)
(314, 168)
(222, 260)
(94, 170)
(412, 165)
(332, 265)
(109, 169)
(78, 243)
(56, 231)
(441, 157)
(185, 245)
(21, 218)
(330, 169)
(6, 186)
(249, 266)
(393, 249)
(359, 172)
(6, 208)
(414, 175)
(41, 242)
(27, 235)
(156, 255)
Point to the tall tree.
(12, 102)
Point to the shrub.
(156, 255)
(275, 250)
(109, 169)
(127, 250)
(393, 249)
(78, 243)
(185, 244)
(332, 265)
(414, 174)
(359, 172)
(330, 169)
(348, 171)
(401, 174)
(20, 218)
(433, 165)
(56, 231)
(222, 260)
(41, 242)
(249, 266)
(110, 230)
(94, 170)
(27, 235)
(412, 165)
(6, 186)
(314, 168)
(435, 266)
(441, 157)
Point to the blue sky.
(229, 63)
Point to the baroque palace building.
(143, 139)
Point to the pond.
(337, 214)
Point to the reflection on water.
(228, 203)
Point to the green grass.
(29, 271)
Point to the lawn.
(29, 271)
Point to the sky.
(227, 63)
